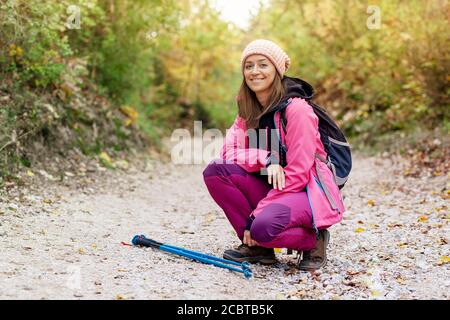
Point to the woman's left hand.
(248, 239)
(275, 174)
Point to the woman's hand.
(248, 239)
(275, 173)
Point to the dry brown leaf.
(400, 280)
(393, 225)
(300, 293)
(353, 272)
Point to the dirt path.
(61, 240)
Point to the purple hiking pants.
(284, 224)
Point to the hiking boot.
(317, 257)
(251, 254)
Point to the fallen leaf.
(30, 173)
(105, 159)
(186, 232)
(119, 297)
(315, 275)
(422, 218)
(353, 272)
(291, 271)
(443, 260)
(300, 293)
(393, 225)
(46, 175)
(400, 280)
(359, 230)
(131, 114)
(405, 265)
(402, 244)
(209, 219)
(371, 202)
(350, 283)
(122, 164)
(279, 296)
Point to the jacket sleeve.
(302, 133)
(235, 148)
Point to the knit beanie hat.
(271, 50)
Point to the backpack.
(333, 139)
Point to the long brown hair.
(249, 107)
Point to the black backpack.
(333, 139)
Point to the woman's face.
(259, 73)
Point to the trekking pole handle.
(141, 240)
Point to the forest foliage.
(100, 76)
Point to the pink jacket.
(303, 143)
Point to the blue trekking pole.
(141, 240)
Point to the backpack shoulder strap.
(283, 115)
(283, 119)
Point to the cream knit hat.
(269, 49)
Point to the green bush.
(374, 81)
